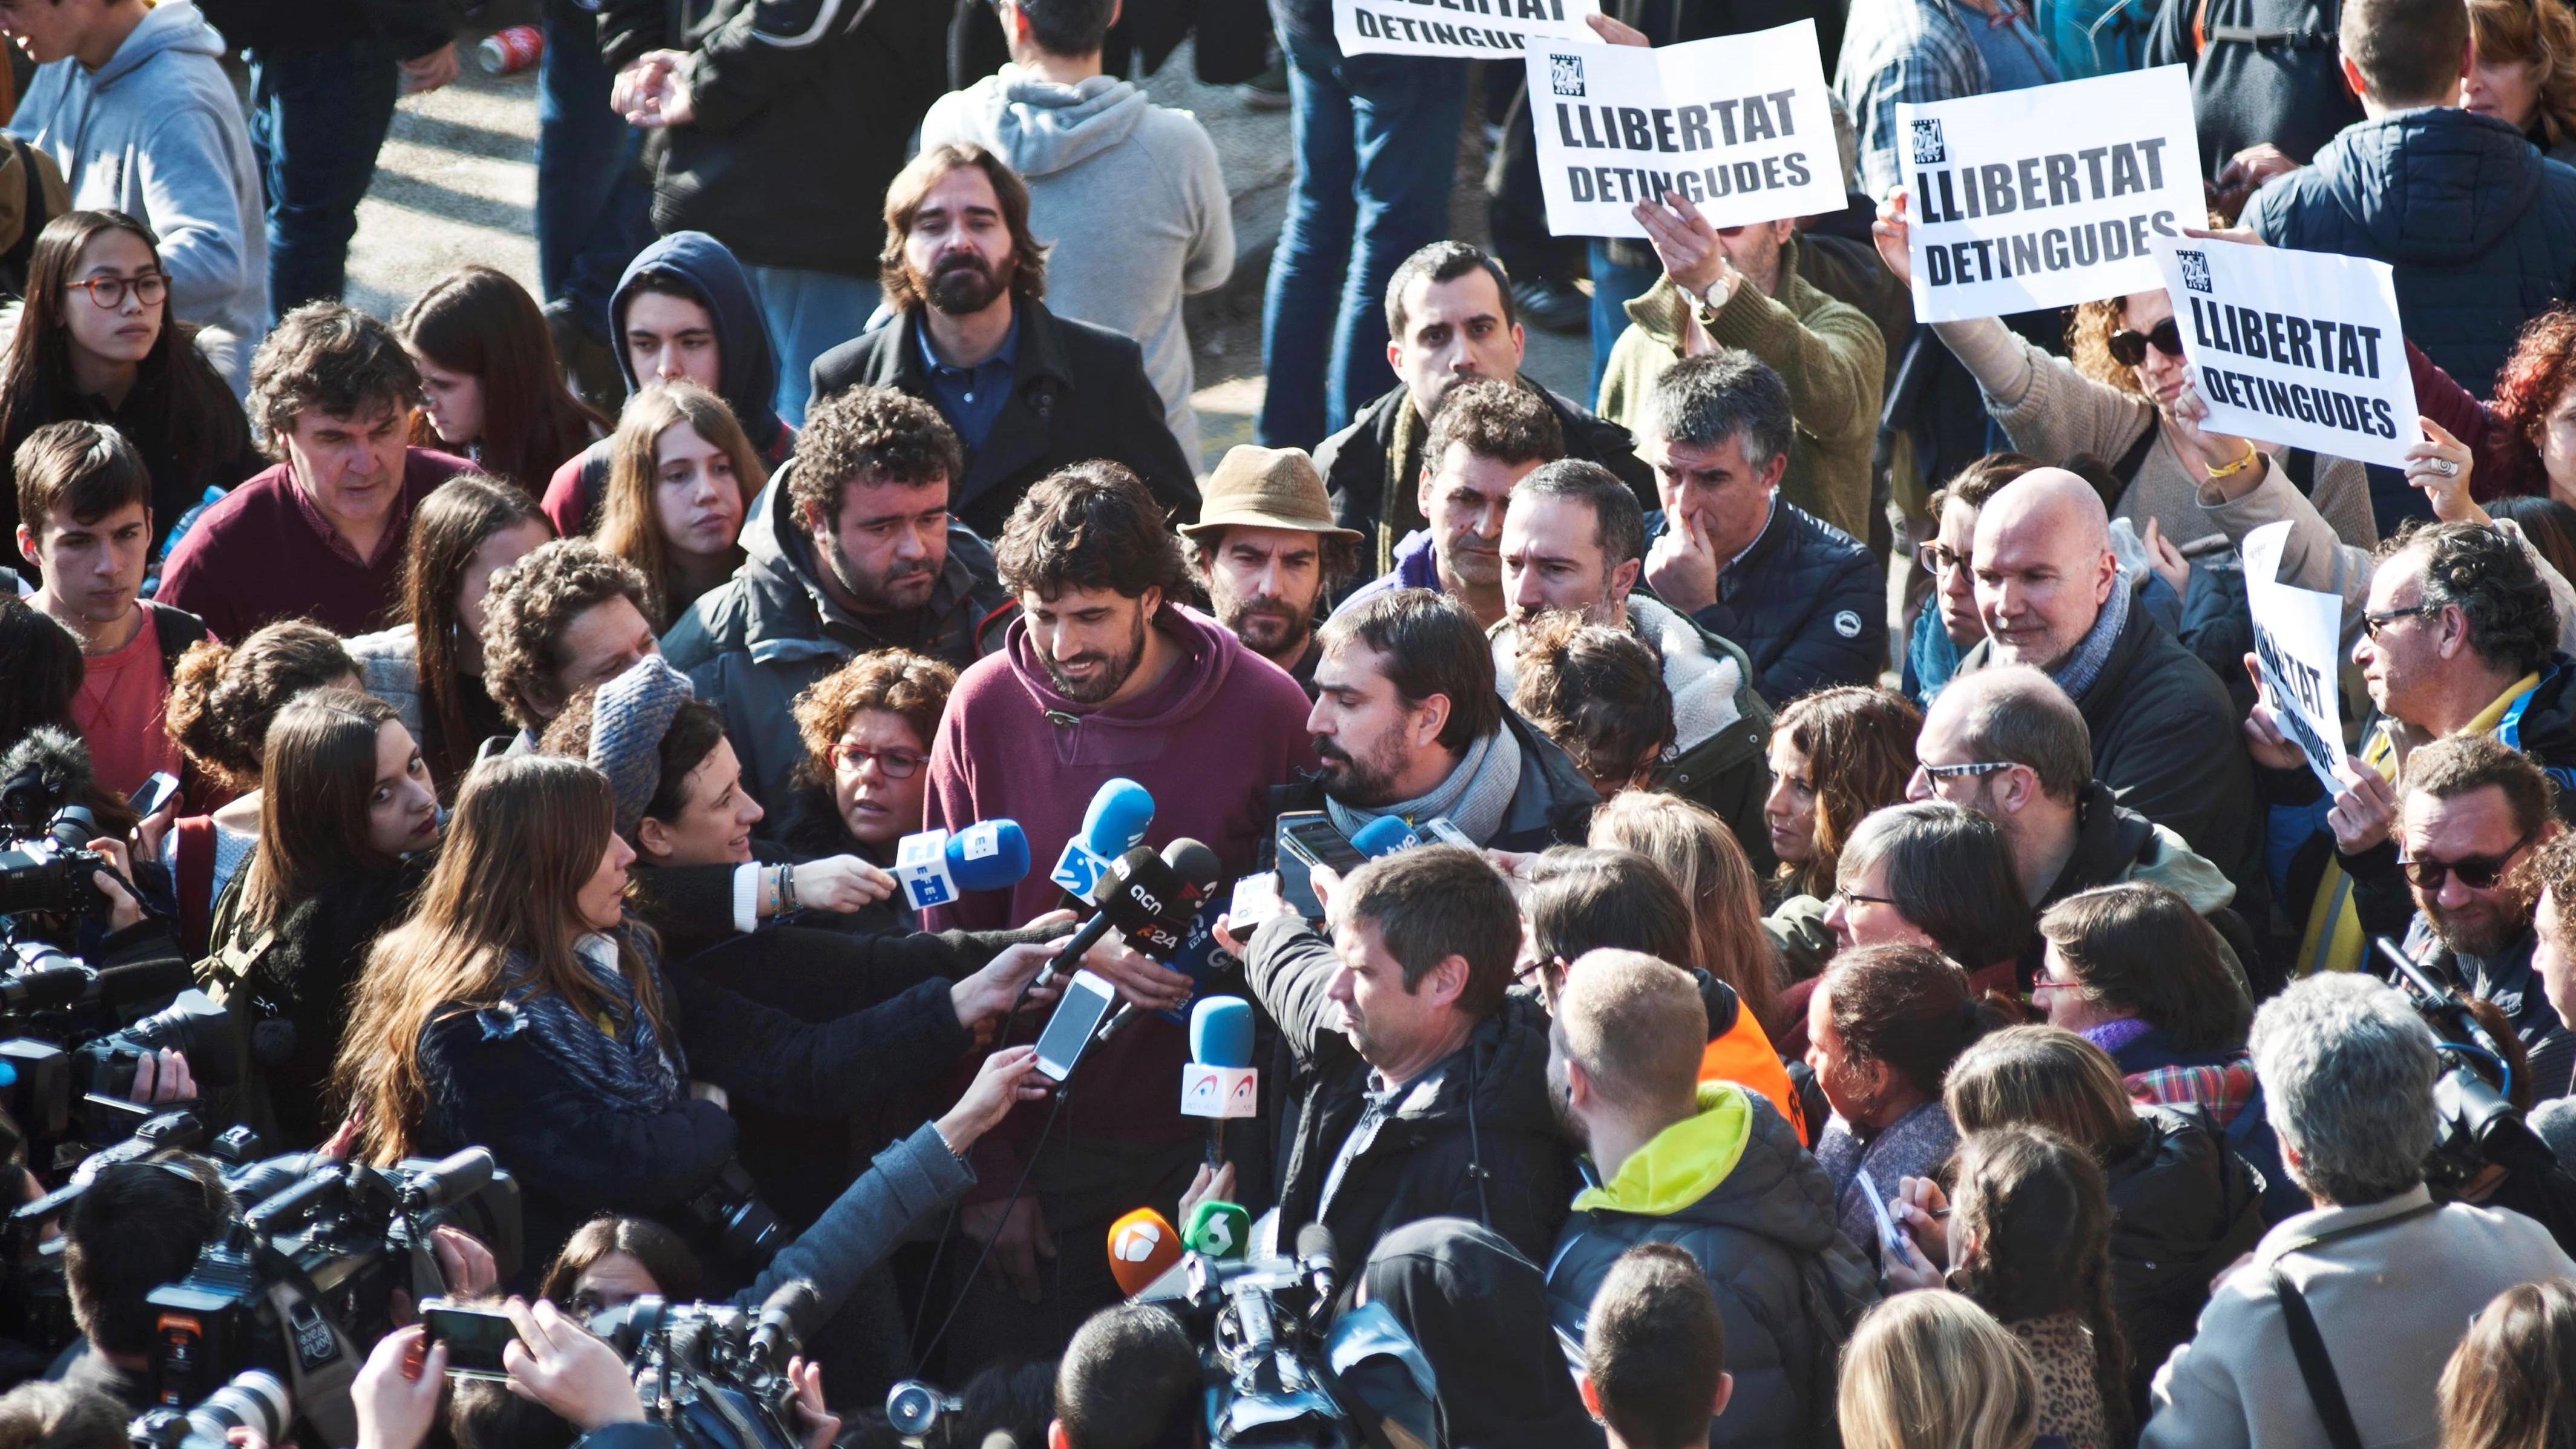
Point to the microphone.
(40, 772)
(1113, 824)
(935, 866)
(43, 990)
(780, 1331)
(1148, 898)
(1218, 1081)
(1142, 1247)
(1385, 835)
(1315, 1259)
(1218, 1229)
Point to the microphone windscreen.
(1385, 835)
(1143, 1246)
(1116, 819)
(1221, 1032)
(1316, 1241)
(1194, 863)
(989, 855)
(44, 769)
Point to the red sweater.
(255, 558)
(1209, 742)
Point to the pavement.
(456, 183)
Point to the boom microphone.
(1112, 825)
(1143, 1246)
(39, 774)
(935, 866)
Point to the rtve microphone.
(935, 866)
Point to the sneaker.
(1267, 91)
(1552, 305)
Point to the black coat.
(2183, 1207)
(1807, 602)
(1079, 392)
(1425, 1161)
(2285, 88)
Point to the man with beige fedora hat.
(1268, 553)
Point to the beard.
(1112, 675)
(960, 285)
(2487, 929)
(1266, 624)
(894, 592)
(1365, 780)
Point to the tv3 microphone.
(1113, 824)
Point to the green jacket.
(1828, 352)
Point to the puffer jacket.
(751, 645)
(2480, 227)
(2183, 1205)
(1733, 1188)
(1807, 601)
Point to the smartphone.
(1888, 1232)
(1307, 839)
(152, 794)
(1087, 998)
(474, 1336)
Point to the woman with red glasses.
(867, 730)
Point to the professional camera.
(2475, 1091)
(256, 1401)
(307, 1274)
(714, 1374)
(735, 1221)
(46, 870)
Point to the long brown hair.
(528, 833)
(477, 321)
(1859, 744)
(2506, 1384)
(630, 523)
(317, 778)
(2041, 1213)
(903, 202)
(1696, 849)
(448, 528)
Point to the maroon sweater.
(256, 557)
(1208, 742)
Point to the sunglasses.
(2130, 348)
(2477, 872)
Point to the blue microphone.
(935, 865)
(1112, 825)
(1218, 1081)
(1385, 835)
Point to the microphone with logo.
(1112, 825)
(1143, 1247)
(1219, 1081)
(934, 867)
(1150, 899)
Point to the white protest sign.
(1739, 124)
(2296, 634)
(1459, 27)
(2048, 196)
(2302, 348)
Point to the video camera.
(712, 1373)
(2474, 1092)
(45, 860)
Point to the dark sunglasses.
(2130, 348)
(2478, 872)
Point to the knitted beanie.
(628, 718)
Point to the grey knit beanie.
(628, 718)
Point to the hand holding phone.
(474, 1337)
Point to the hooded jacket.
(2480, 227)
(1806, 600)
(1424, 1160)
(157, 133)
(1128, 198)
(747, 368)
(2183, 1206)
(753, 643)
(1733, 1188)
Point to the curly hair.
(223, 696)
(912, 687)
(1859, 744)
(2088, 343)
(2538, 373)
(2512, 623)
(1091, 527)
(869, 435)
(327, 357)
(2041, 1214)
(525, 614)
(1495, 419)
(1597, 690)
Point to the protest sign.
(2296, 634)
(1459, 27)
(2048, 196)
(2302, 348)
(1740, 124)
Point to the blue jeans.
(593, 208)
(317, 119)
(1613, 288)
(807, 314)
(1377, 156)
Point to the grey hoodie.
(1126, 195)
(157, 133)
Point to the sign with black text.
(2048, 196)
(1459, 27)
(2302, 348)
(1739, 124)
(2296, 652)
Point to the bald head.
(2044, 566)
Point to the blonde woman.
(1932, 1370)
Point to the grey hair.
(1700, 402)
(2347, 1071)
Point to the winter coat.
(1552, 805)
(1078, 392)
(805, 109)
(2480, 227)
(1829, 353)
(764, 636)
(1734, 1189)
(2262, 71)
(1806, 600)
(158, 134)
(409, 28)
(1498, 1162)
(2183, 1207)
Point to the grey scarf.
(2084, 666)
(1473, 798)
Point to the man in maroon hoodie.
(1102, 675)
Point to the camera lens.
(914, 1408)
(257, 1401)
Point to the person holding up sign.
(2115, 401)
(1929, 50)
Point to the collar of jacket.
(1682, 1163)
(1039, 375)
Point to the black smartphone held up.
(152, 794)
(1307, 839)
(474, 1336)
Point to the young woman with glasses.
(95, 341)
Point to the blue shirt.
(971, 398)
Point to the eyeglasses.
(1964, 772)
(2044, 984)
(1939, 560)
(2372, 623)
(893, 764)
(1849, 899)
(148, 289)
(2477, 872)
(2130, 348)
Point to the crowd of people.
(1868, 960)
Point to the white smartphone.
(1087, 998)
(1887, 1230)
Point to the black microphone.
(784, 1316)
(1149, 899)
(43, 990)
(38, 774)
(122, 986)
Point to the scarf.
(1399, 506)
(2082, 667)
(629, 1069)
(2110, 1036)
(1473, 798)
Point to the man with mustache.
(1487, 437)
(1028, 392)
(1450, 321)
(1266, 550)
(851, 549)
